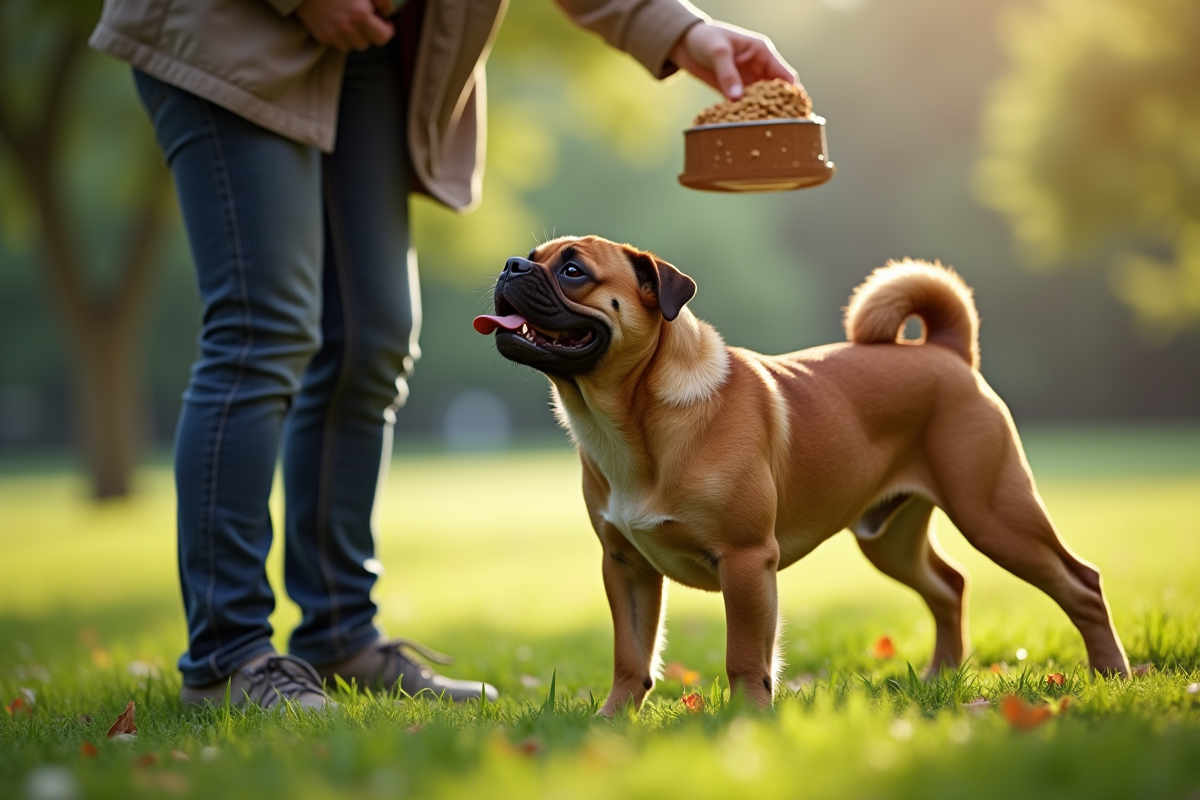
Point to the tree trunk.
(107, 399)
(103, 328)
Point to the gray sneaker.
(267, 681)
(383, 663)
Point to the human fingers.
(378, 30)
(758, 60)
(729, 78)
(384, 7)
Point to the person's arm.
(665, 35)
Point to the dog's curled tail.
(898, 290)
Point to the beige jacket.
(255, 58)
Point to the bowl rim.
(809, 120)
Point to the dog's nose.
(516, 266)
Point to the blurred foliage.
(1092, 139)
(582, 140)
(108, 160)
(591, 92)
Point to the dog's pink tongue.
(487, 323)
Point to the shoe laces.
(401, 663)
(282, 677)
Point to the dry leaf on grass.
(883, 648)
(19, 707)
(1022, 715)
(693, 701)
(124, 724)
(1055, 679)
(678, 672)
(145, 760)
(1143, 669)
(88, 750)
(530, 747)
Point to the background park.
(1048, 149)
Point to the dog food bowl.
(772, 155)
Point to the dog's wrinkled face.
(561, 309)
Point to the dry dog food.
(774, 99)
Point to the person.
(295, 131)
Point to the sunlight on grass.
(491, 558)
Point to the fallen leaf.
(694, 702)
(179, 755)
(1055, 679)
(531, 746)
(88, 750)
(1143, 669)
(1022, 715)
(998, 668)
(883, 648)
(19, 707)
(145, 760)
(124, 724)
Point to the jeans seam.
(339, 262)
(226, 184)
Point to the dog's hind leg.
(999, 511)
(903, 546)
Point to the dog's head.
(572, 301)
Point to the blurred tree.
(82, 187)
(1093, 139)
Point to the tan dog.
(716, 466)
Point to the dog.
(717, 466)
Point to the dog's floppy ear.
(661, 282)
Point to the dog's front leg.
(751, 619)
(635, 596)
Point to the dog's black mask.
(559, 337)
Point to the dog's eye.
(572, 271)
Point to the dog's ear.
(661, 283)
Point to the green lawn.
(490, 558)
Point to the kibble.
(774, 99)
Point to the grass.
(490, 558)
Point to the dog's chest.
(629, 512)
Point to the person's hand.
(727, 58)
(348, 24)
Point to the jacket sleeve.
(646, 29)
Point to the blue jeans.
(311, 313)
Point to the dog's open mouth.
(573, 339)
